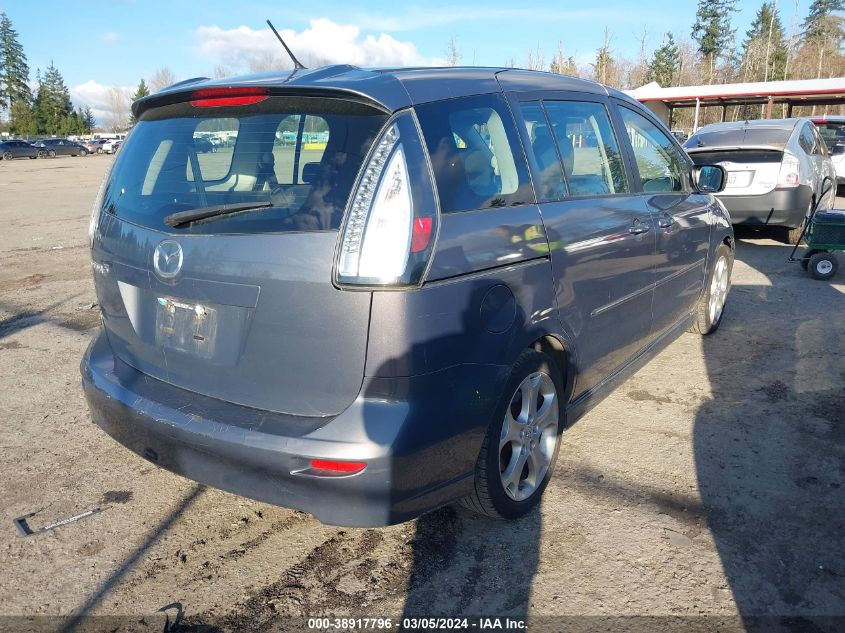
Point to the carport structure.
(799, 92)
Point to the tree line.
(711, 53)
(47, 109)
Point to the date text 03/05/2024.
(416, 624)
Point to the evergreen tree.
(764, 50)
(712, 29)
(140, 92)
(823, 25)
(52, 102)
(664, 63)
(14, 71)
(23, 122)
(87, 119)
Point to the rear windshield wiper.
(207, 213)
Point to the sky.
(100, 43)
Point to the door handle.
(638, 227)
(665, 221)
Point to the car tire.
(84, 152)
(711, 305)
(823, 265)
(533, 426)
(7, 156)
(99, 150)
(51, 153)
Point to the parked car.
(412, 316)
(95, 145)
(832, 130)
(203, 145)
(61, 147)
(112, 145)
(17, 149)
(776, 169)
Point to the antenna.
(296, 63)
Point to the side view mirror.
(837, 150)
(709, 178)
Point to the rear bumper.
(420, 437)
(779, 207)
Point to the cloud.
(414, 18)
(323, 42)
(96, 96)
(109, 37)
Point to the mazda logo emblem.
(167, 259)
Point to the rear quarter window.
(475, 153)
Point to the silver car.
(776, 169)
(832, 130)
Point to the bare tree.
(220, 71)
(563, 65)
(536, 59)
(453, 55)
(117, 116)
(162, 78)
(265, 62)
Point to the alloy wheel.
(718, 289)
(529, 436)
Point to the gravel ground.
(708, 486)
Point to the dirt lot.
(711, 484)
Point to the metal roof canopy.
(799, 92)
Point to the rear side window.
(551, 184)
(806, 139)
(588, 147)
(658, 162)
(475, 153)
(300, 154)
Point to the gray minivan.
(392, 289)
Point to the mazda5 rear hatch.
(214, 242)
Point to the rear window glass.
(737, 137)
(475, 153)
(302, 155)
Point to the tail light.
(223, 97)
(391, 222)
(790, 173)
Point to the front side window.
(551, 184)
(588, 147)
(658, 162)
(475, 153)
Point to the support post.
(769, 104)
(724, 112)
(695, 120)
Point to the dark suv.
(404, 305)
